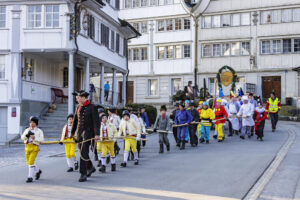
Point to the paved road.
(214, 171)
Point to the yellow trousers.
(219, 128)
(198, 129)
(70, 148)
(130, 143)
(31, 152)
(99, 146)
(108, 147)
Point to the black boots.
(82, 178)
(102, 169)
(107, 160)
(99, 163)
(215, 136)
(242, 137)
(38, 175)
(182, 145)
(178, 143)
(113, 167)
(70, 169)
(91, 171)
(201, 140)
(168, 147)
(136, 162)
(161, 148)
(76, 166)
(29, 180)
(123, 164)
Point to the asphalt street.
(210, 171)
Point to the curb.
(266, 176)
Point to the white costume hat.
(245, 98)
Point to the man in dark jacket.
(86, 126)
(193, 127)
(172, 117)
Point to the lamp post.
(195, 8)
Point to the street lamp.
(195, 8)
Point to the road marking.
(266, 176)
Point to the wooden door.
(78, 79)
(271, 84)
(130, 89)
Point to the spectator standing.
(106, 90)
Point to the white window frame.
(52, 14)
(283, 15)
(298, 16)
(173, 90)
(3, 14)
(223, 19)
(241, 19)
(261, 46)
(34, 14)
(238, 17)
(207, 25)
(2, 65)
(149, 87)
(203, 51)
(184, 50)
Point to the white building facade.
(260, 40)
(38, 52)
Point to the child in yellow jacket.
(206, 117)
(32, 138)
(108, 134)
(70, 145)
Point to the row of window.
(278, 46)
(173, 24)
(280, 16)
(238, 19)
(138, 54)
(2, 16)
(141, 27)
(226, 49)
(36, 19)
(173, 51)
(2, 67)
(146, 3)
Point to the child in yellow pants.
(130, 130)
(69, 139)
(108, 134)
(32, 138)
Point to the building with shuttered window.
(48, 46)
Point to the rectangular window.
(144, 53)
(136, 26)
(245, 50)
(65, 77)
(186, 51)
(2, 67)
(276, 16)
(286, 15)
(216, 21)
(127, 3)
(287, 45)
(52, 15)
(135, 53)
(135, 3)
(296, 15)
(98, 32)
(160, 52)
(144, 27)
(276, 46)
(34, 17)
(130, 54)
(117, 43)
(153, 87)
(226, 49)
(169, 24)
(206, 51)
(2, 16)
(225, 20)
(178, 24)
(153, 2)
(245, 19)
(216, 49)
(161, 2)
(266, 17)
(235, 20)
(112, 40)
(296, 45)
(187, 24)
(161, 25)
(144, 3)
(235, 48)
(176, 85)
(178, 51)
(206, 22)
(170, 51)
(265, 47)
(168, 2)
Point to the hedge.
(150, 110)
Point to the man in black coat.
(86, 125)
(193, 127)
(172, 117)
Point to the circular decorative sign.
(226, 78)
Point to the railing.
(107, 101)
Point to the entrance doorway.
(129, 93)
(271, 84)
(78, 79)
(3, 125)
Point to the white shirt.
(69, 130)
(247, 110)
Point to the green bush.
(150, 110)
(179, 96)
